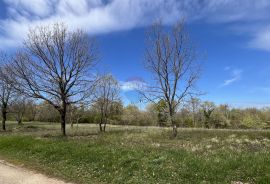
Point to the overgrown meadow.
(130, 154)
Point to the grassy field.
(139, 154)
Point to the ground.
(11, 174)
(127, 154)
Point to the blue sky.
(235, 35)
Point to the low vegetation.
(130, 154)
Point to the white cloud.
(261, 39)
(235, 76)
(103, 16)
(27, 8)
(132, 85)
(93, 16)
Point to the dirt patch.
(10, 174)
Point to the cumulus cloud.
(235, 76)
(133, 84)
(103, 16)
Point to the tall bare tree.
(172, 59)
(6, 87)
(105, 95)
(54, 66)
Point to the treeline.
(194, 114)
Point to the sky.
(233, 35)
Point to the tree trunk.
(4, 116)
(19, 121)
(104, 125)
(207, 124)
(174, 132)
(63, 120)
(77, 121)
(194, 120)
(101, 122)
(100, 127)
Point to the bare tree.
(6, 88)
(172, 59)
(54, 66)
(106, 93)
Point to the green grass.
(140, 154)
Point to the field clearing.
(130, 154)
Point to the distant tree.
(184, 117)
(151, 112)
(46, 113)
(31, 110)
(225, 109)
(252, 118)
(194, 105)
(116, 110)
(6, 87)
(133, 116)
(172, 59)
(54, 66)
(161, 109)
(106, 92)
(18, 108)
(222, 116)
(208, 108)
(75, 113)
